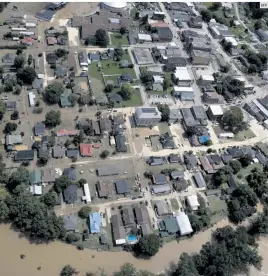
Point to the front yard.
(117, 39)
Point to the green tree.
(10, 127)
(232, 118)
(126, 270)
(258, 182)
(126, 91)
(50, 199)
(73, 99)
(246, 160)
(61, 53)
(53, 92)
(4, 211)
(149, 245)
(146, 77)
(68, 271)
(242, 203)
(186, 266)
(62, 183)
(118, 53)
(102, 38)
(19, 51)
(15, 115)
(104, 154)
(165, 112)
(222, 175)
(79, 138)
(27, 74)
(206, 15)
(43, 158)
(53, 118)
(167, 82)
(258, 25)
(19, 62)
(2, 109)
(72, 237)
(109, 88)
(123, 30)
(84, 212)
(8, 86)
(17, 178)
(215, 6)
(235, 165)
(30, 59)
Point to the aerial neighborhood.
(138, 124)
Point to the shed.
(36, 190)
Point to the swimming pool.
(132, 238)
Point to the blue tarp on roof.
(95, 222)
(203, 139)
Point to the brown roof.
(51, 40)
(142, 215)
(103, 189)
(159, 25)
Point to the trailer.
(30, 25)
(18, 29)
(27, 33)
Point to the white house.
(193, 202)
(31, 98)
(184, 224)
(87, 196)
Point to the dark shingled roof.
(70, 194)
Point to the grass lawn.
(163, 128)
(246, 171)
(218, 209)
(3, 192)
(238, 30)
(252, 22)
(134, 101)
(244, 135)
(118, 39)
(207, 4)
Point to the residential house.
(182, 77)
(35, 177)
(70, 173)
(86, 150)
(184, 93)
(226, 158)
(119, 233)
(195, 22)
(212, 98)
(141, 214)
(58, 151)
(184, 224)
(161, 189)
(11, 106)
(219, 31)
(199, 57)
(162, 208)
(61, 72)
(72, 153)
(207, 167)
(174, 61)
(191, 161)
(262, 35)
(83, 59)
(24, 155)
(174, 158)
(215, 161)
(51, 40)
(199, 114)
(39, 129)
(70, 194)
(156, 160)
(95, 222)
(147, 116)
(105, 126)
(180, 184)
(13, 140)
(215, 112)
(199, 180)
(71, 223)
(192, 201)
(107, 171)
(175, 116)
(96, 127)
(103, 189)
(128, 217)
(48, 176)
(175, 175)
(120, 141)
(51, 58)
(123, 186)
(162, 34)
(168, 225)
(8, 59)
(160, 179)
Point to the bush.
(80, 247)
(72, 237)
(239, 176)
(84, 212)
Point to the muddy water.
(52, 257)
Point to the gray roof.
(48, 175)
(147, 112)
(70, 173)
(70, 222)
(105, 125)
(106, 171)
(199, 112)
(190, 160)
(122, 186)
(13, 139)
(82, 57)
(146, 229)
(188, 117)
(70, 194)
(177, 174)
(39, 129)
(38, 84)
(128, 216)
(9, 58)
(180, 185)
(11, 105)
(199, 180)
(226, 158)
(175, 114)
(58, 151)
(24, 155)
(156, 160)
(174, 158)
(157, 189)
(117, 226)
(162, 208)
(160, 179)
(120, 141)
(232, 181)
(142, 215)
(262, 159)
(72, 153)
(61, 71)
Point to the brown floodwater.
(52, 257)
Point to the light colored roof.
(147, 112)
(36, 190)
(157, 189)
(116, 4)
(193, 201)
(207, 77)
(13, 139)
(183, 89)
(261, 107)
(182, 73)
(87, 196)
(232, 40)
(146, 37)
(20, 147)
(216, 109)
(184, 224)
(31, 98)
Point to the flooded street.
(52, 257)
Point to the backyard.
(118, 39)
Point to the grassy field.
(218, 209)
(244, 135)
(207, 4)
(238, 30)
(246, 171)
(174, 204)
(118, 39)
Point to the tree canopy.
(149, 245)
(206, 15)
(242, 203)
(102, 38)
(258, 182)
(61, 183)
(27, 74)
(19, 62)
(67, 270)
(228, 254)
(222, 175)
(126, 91)
(165, 112)
(232, 118)
(235, 165)
(53, 118)
(10, 127)
(53, 92)
(84, 212)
